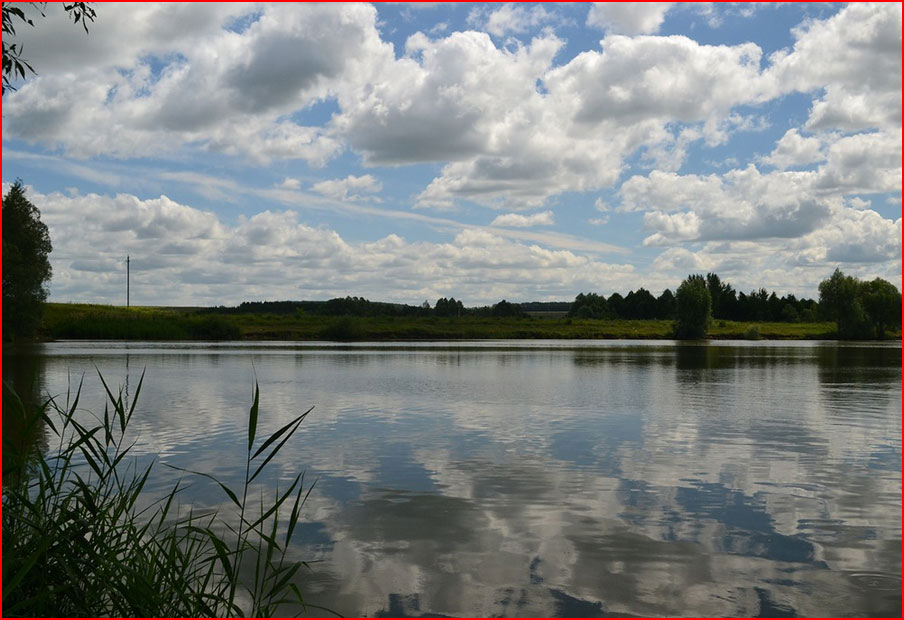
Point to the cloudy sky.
(408, 152)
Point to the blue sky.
(482, 151)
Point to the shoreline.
(97, 322)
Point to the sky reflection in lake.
(550, 478)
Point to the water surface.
(548, 478)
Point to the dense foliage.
(861, 309)
(589, 306)
(727, 304)
(26, 266)
(694, 304)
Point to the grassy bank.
(97, 322)
(87, 321)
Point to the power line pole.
(127, 280)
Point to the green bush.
(76, 542)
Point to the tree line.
(725, 303)
(361, 307)
(860, 309)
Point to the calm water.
(549, 478)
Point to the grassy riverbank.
(89, 321)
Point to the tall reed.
(78, 542)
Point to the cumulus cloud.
(509, 127)
(669, 78)
(863, 163)
(218, 89)
(794, 150)
(186, 256)
(477, 108)
(506, 125)
(628, 17)
(349, 188)
(854, 58)
(511, 18)
(742, 204)
(748, 204)
(544, 218)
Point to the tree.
(616, 305)
(26, 268)
(839, 302)
(882, 302)
(724, 298)
(665, 305)
(448, 307)
(694, 306)
(589, 306)
(506, 309)
(639, 304)
(14, 65)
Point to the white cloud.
(600, 205)
(185, 256)
(747, 204)
(217, 89)
(863, 163)
(680, 260)
(290, 183)
(511, 18)
(599, 108)
(509, 128)
(858, 203)
(856, 235)
(794, 150)
(504, 124)
(668, 78)
(742, 204)
(628, 17)
(544, 218)
(349, 188)
(855, 56)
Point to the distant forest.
(727, 304)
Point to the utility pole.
(127, 280)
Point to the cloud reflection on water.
(599, 479)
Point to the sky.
(406, 152)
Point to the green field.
(88, 321)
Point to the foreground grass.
(76, 543)
(83, 321)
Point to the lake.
(545, 478)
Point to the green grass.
(82, 321)
(97, 322)
(77, 543)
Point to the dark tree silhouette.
(506, 309)
(26, 268)
(665, 305)
(589, 306)
(694, 306)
